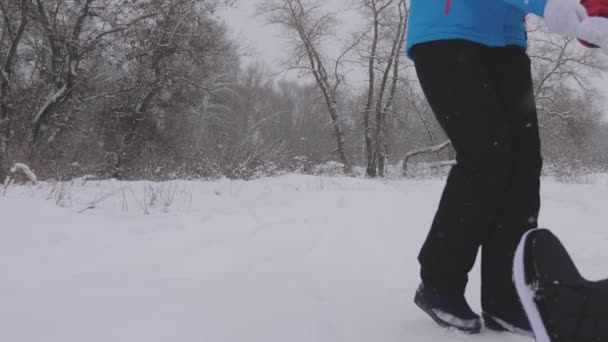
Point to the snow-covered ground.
(289, 259)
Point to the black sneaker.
(561, 304)
(517, 325)
(448, 311)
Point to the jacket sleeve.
(529, 6)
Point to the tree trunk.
(3, 153)
(382, 107)
(6, 72)
(319, 72)
(339, 133)
(382, 157)
(5, 121)
(371, 167)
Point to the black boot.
(448, 311)
(562, 306)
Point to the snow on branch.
(442, 164)
(424, 150)
(25, 171)
(22, 169)
(51, 99)
(429, 149)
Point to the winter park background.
(227, 171)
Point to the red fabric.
(595, 8)
(448, 5)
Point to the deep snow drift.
(288, 259)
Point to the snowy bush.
(300, 164)
(23, 171)
(61, 194)
(330, 168)
(359, 172)
(269, 169)
(19, 173)
(425, 170)
(573, 172)
(394, 171)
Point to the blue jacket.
(488, 22)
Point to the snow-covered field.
(289, 259)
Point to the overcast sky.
(259, 39)
(263, 42)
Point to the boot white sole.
(526, 293)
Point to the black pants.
(483, 98)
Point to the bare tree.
(381, 55)
(386, 95)
(14, 22)
(559, 62)
(310, 27)
(375, 7)
(72, 30)
(89, 73)
(156, 89)
(565, 92)
(176, 60)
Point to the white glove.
(595, 31)
(564, 16)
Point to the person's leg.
(519, 210)
(455, 78)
